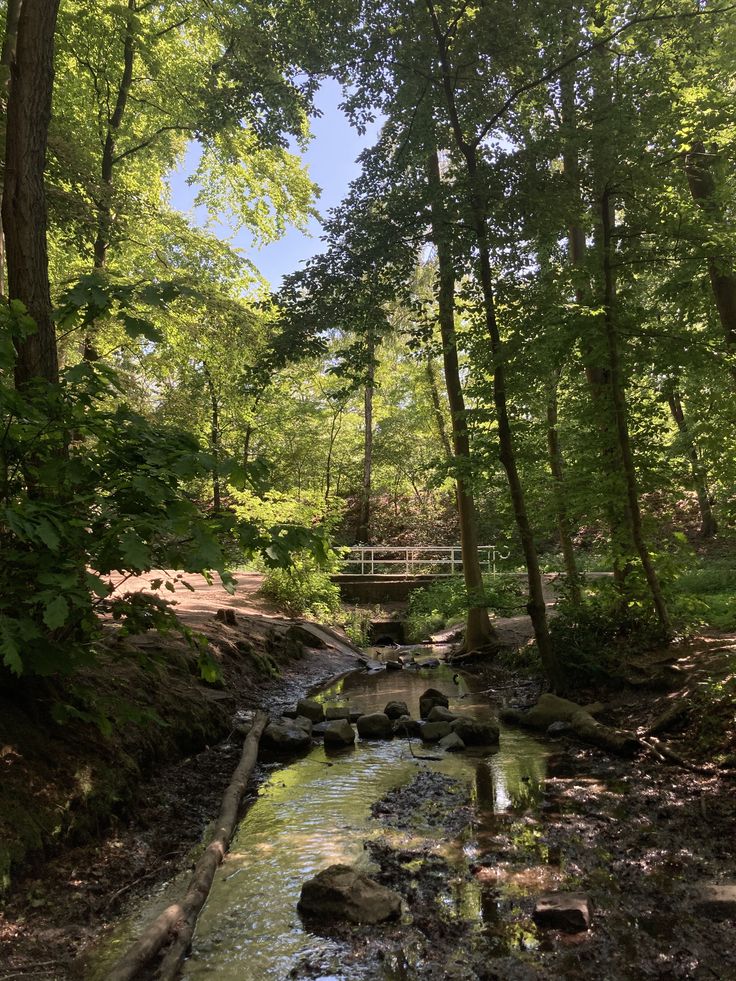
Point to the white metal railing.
(412, 560)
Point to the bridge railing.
(416, 560)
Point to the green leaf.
(9, 648)
(47, 534)
(56, 613)
(139, 327)
(208, 668)
(135, 552)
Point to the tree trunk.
(439, 416)
(597, 373)
(618, 392)
(104, 202)
(708, 523)
(6, 61)
(214, 440)
(478, 632)
(24, 197)
(363, 531)
(720, 268)
(479, 218)
(563, 519)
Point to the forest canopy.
(519, 326)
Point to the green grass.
(706, 594)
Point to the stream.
(316, 811)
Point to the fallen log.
(552, 708)
(175, 926)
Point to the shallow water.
(315, 811)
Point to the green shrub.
(304, 587)
(89, 487)
(445, 602)
(592, 638)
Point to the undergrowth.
(445, 602)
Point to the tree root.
(664, 754)
(175, 926)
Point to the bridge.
(382, 573)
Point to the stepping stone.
(432, 732)
(341, 893)
(376, 725)
(339, 733)
(395, 709)
(439, 713)
(429, 699)
(452, 743)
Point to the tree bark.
(618, 393)
(708, 523)
(478, 630)
(24, 197)
(175, 926)
(698, 166)
(214, 440)
(7, 58)
(558, 480)
(536, 606)
(439, 416)
(597, 373)
(363, 531)
(104, 201)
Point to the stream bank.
(92, 822)
(471, 842)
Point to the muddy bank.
(90, 820)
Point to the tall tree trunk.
(618, 392)
(698, 166)
(104, 202)
(24, 198)
(214, 440)
(478, 630)
(430, 370)
(479, 218)
(363, 531)
(597, 373)
(7, 57)
(558, 480)
(708, 523)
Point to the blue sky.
(331, 161)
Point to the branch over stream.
(175, 926)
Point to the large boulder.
(304, 723)
(339, 733)
(285, 736)
(429, 699)
(341, 893)
(568, 911)
(432, 732)
(475, 733)
(310, 709)
(376, 725)
(439, 713)
(394, 710)
(333, 712)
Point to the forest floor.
(643, 839)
